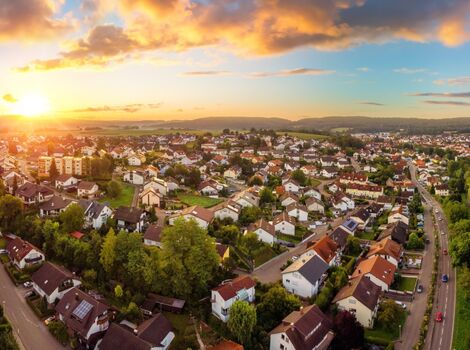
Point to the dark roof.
(350, 224)
(86, 185)
(29, 189)
(127, 214)
(18, 248)
(313, 269)
(118, 337)
(340, 236)
(55, 203)
(154, 330)
(398, 231)
(50, 276)
(153, 233)
(362, 214)
(361, 288)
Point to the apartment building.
(67, 165)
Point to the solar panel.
(82, 309)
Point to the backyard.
(383, 336)
(123, 199)
(205, 202)
(406, 284)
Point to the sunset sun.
(32, 105)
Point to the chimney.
(301, 310)
(136, 332)
(359, 271)
(76, 296)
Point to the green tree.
(459, 249)
(188, 258)
(242, 320)
(59, 331)
(53, 172)
(389, 314)
(118, 292)
(415, 242)
(108, 251)
(275, 304)
(299, 176)
(11, 213)
(72, 218)
(113, 189)
(353, 246)
(249, 215)
(228, 233)
(266, 196)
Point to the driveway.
(29, 331)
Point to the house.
(136, 160)
(65, 182)
(202, 216)
(247, 198)
(327, 250)
(153, 235)
(157, 303)
(341, 197)
(442, 190)
(304, 276)
(208, 188)
(264, 230)
(284, 223)
(361, 298)
(386, 201)
(350, 226)
(386, 249)
(134, 177)
(306, 329)
(84, 316)
(397, 231)
(340, 237)
(223, 296)
(87, 189)
(155, 333)
(358, 178)
(309, 170)
(52, 282)
(380, 271)
(297, 211)
(362, 217)
(226, 210)
(96, 214)
(31, 193)
(130, 218)
(398, 214)
(159, 185)
(291, 186)
(54, 206)
(149, 197)
(364, 191)
(312, 192)
(288, 198)
(329, 172)
(23, 254)
(315, 205)
(233, 172)
(227, 345)
(327, 161)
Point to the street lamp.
(399, 330)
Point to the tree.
(266, 196)
(299, 176)
(353, 246)
(459, 249)
(415, 242)
(72, 218)
(389, 314)
(118, 292)
(242, 320)
(59, 331)
(349, 332)
(113, 189)
(53, 172)
(249, 215)
(255, 181)
(275, 304)
(108, 251)
(228, 233)
(189, 259)
(11, 213)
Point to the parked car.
(439, 317)
(444, 278)
(400, 303)
(3, 251)
(49, 320)
(443, 233)
(444, 251)
(29, 293)
(420, 288)
(294, 258)
(440, 219)
(28, 284)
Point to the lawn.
(3, 243)
(407, 284)
(314, 182)
(289, 238)
(369, 235)
(124, 199)
(263, 255)
(461, 338)
(205, 202)
(303, 136)
(381, 335)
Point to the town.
(234, 239)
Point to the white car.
(437, 211)
(402, 304)
(294, 258)
(28, 284)
(3, 251)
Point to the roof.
(264, 225)
(18, 248)
(128, 214)
(310, 267)
(29, 189)
(154, 330)
(227, 345)
(229, 290)
(77, 235)
(386, 246)
(86, 185)
(378, 267)
(221, 249)
(340, 236)
(397, 230)
(55, 203)
(197, 211)
(80, 310)
(118, 337)
(283, 217)
(326, 248)
(350, 225)
(363, 289)
(362, 214)
(307, 328)
(50, 276)
(153, 233)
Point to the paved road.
(440, 335)
(30, 331)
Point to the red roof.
(229, 290)
(18, 248)
(78, 235)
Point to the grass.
(381, 335)
(303, 136)
(3, 243)
(205, 202)
(124, 198)
(4, 259)
(144, 132)
(366, 235)
(407, 284)
(314, 182)
(461, 339)
(289, 238)
(263, 255)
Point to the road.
(30, 331)
(440, 334)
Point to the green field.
(407, 284)
(205, 202)
(263, 255)
(461, 338)
(124, 199)
(303, 135)
(381, 335)
(143, 132)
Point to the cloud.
(371, 103)
(363, 69)
(263, 27)
(447, 103)
(291, 72)
(30, 20)
(9, 98)
(206, 73)
(129, 108)
(453, 81)
(442, 94)
(409, 70)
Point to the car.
(439, 317)
(49, 320)
(440, 219)
(3, 251)
(437, 211)
(445, 278)
(28, 284)
(444, 251)
(420, 288)
(294, 258)
(29, 293)
(443, 233)
(400, 303)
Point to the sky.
(185, 59)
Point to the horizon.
(190, 59)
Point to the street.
(29, 331)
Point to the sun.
(31, 105)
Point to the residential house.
(340, 237)
(387, 249)
(264, 230)
(153, 235)
(288, 198)
(305, 275)
(66, 182)
(380, 271)
(223, 296)
(327, 250)
(159, 185)
(31, 193)
(54, 206)
(136, 160)
(96, 214)
(350, 226)
(233, 172)
(87, 189)
(398, 214)
(397, 231)
(202, 216)
(362, 217)
(149, 197)
(130, 218)
(52, 282)
(226, 210)
(297, 211)
(442, 190)
(312, 192)
(22, 253)
(135, 177)
(328, 172)
(284, 223)
(291, 186)
(315, 205)
(208, 188)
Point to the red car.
(444, 251)
(439, 317)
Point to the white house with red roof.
(223, 296)
(22, 253)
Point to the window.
(283, 336)
(282, 347)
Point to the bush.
(59, 331)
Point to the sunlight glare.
(32, 105)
